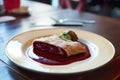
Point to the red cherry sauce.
(46, 57)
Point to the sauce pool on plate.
(54, 59)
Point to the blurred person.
(78, 5)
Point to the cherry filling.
(48, 49)
(53, 55)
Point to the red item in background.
(11, 4)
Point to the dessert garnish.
(70, 35)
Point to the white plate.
(102, 51)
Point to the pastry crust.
(70, 47)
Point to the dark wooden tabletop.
(40, 16)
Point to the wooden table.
(40, 17)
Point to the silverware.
(73, 21)
(61, 22)
(57, 24)
(68, 24)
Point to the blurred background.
(109, 8)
